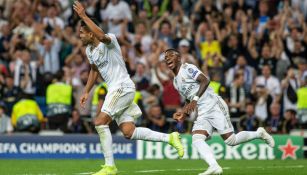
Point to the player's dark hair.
(173, 50)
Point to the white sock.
(106, 143)
(141, 133)
(241, 137)
(198, 141)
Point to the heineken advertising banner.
(286, 147)
(88, 146)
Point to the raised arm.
(98, 32)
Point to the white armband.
(196, 98)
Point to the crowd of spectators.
(255, 52)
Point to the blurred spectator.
(233, 49)
(185, 34)
(266, 58)
(263, 16)
(217, 86)
(85, 112)
(294, 46)
(26, 115)
(154, 9)
(180, 22)
(270, 82)
(10, 93)
(2, 85)
(151, 97)
(6, 36)
(49, 50)
(302, 104)
(59, 101)
(249, 121)
(77, 64)
(274, 122)
(5, 121)
(248, 72)
(163, 30)
(25, 72)
(263, 101)
(99, 95)
(76, 124)
(52, 20)
(157, 120)
(237, 96)
(140, 39)
(211, 50)
(184, 47)
(302, 70)
(116, 13)
(290, 121)
(141, 77)
(289, 85)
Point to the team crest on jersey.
(190, 70)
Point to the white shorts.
(120, 107)
(215, 118)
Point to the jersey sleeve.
(87, 52)
(113, 40)
(192, 71)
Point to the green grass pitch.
(152, 167)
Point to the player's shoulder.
(112, 36)
(188, 65)
(190, 68)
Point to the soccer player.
(105, 57)
(212, 111)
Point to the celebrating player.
(212, 111)
(104, 54)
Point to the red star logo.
(288, 150)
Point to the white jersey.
(110, 64)
(187, 85)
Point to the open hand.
(83, 99)
(79, 9)
(190, 107)
(179, 116)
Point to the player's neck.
(95, 43)
(176, 70)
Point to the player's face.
(85, 36)
(171, 59)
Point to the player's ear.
(91, 34)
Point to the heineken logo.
(288, 150)
(286, 147)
